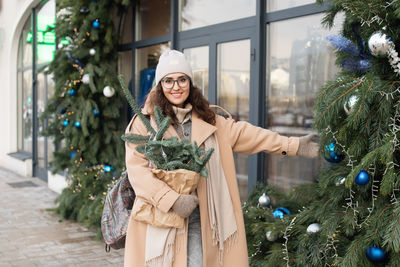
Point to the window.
(153, 18)
(194, 13)
(198, 59)
(274, 5)
(299, 61)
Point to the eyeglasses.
(169, 83)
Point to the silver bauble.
(60, 46)
(108, 91)
(270, 236)
(264, 200)
(348, 106)
(92, 51)
(378, 44)
(86, 78)
(313, 228)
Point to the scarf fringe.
(226, 244)
(168, 256)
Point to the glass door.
(44, 48)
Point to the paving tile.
(33, 236)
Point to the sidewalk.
(32, 236)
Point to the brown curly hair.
(200, 104)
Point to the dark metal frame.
(253, 28)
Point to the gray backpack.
(116, 212)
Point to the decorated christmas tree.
(86, 113)
(351, 215)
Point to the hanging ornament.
(65, 123)
(362, 178)
(280, 212)
(60, 46)
(86, 78)
(72, 92)
(313, 228)
(331, 153)
(96, 24)
(378, 44)
(62, 111)
(92, 51)
(376, 254)
(264, 200)
(349, 105)
(340, 181)
(108, 91)
(77, 124)
(72, 154)
(108, 168)
(96, 112)
(270, 236)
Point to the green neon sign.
(46, 38)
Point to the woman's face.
(176, 88)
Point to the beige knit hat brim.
(172, 61)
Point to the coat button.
(284, 153)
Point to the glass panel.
(146, 62)
(153, 18)
(20, 108)
(42, 86)
(126, 32)
(50, 140)
(274, 5)
(299, 61)
(198, 59)
(125, 66)
(27, 110)
(25, 52)
(46, 37)
(233, 92)
(199, 13)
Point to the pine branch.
(135, 106)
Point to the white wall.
(13, 15)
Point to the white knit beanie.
(172, 61)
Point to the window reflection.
(274, 5)
(299, 62)
(146, 63)
(198, 60)
(199, 13)
(233, 92)
(152, 18)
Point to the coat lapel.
(201, 130)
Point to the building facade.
(261, 60)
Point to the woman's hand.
(185, 204)
(308, 148)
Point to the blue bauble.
(65, 123)
(280, 212)
(376, 254)
(72, 92)
(62, 111)
(96, 112)
(77, 124)
(331, 153)
(362, 178)
(108, 168)
(72, 154)
(96, 24)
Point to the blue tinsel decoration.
(343, 44)
(356, 64)
(74, 60)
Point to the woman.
(214, 233)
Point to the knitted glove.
(185, 204)
(308, 148)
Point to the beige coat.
(232, 136)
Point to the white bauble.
(378, 44)
(92, 51)
(264, 200)
(313, 228)
(340, 181)
(270, 236)
(60, 46)
(348, 107)
(86, 78)
(108, 91)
